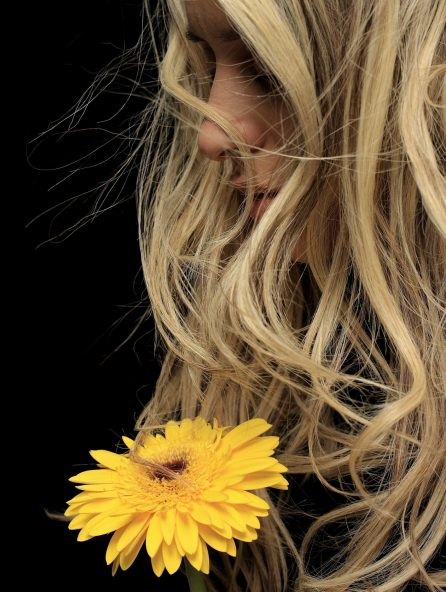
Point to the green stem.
(195, 578)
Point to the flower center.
(165, 471)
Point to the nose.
(216, 145)
(213, 142)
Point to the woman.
(292, 211)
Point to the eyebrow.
(227, 35)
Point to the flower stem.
(195, 579)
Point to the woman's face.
(244, 98)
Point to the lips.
(264, 194)
(262, 199)
(261, 203)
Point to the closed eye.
(249, 66)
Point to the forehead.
(206, 16)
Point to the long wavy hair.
(344, 355)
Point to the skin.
(261, 117)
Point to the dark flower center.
(174, 466)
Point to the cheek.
(300, 248)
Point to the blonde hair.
(345, 355)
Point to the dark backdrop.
(84, 386)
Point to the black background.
(84, 290)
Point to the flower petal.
(251, 465)
(186, 427)
(115, 566)
(205, 562)
(223, 481)
(196, 559)
(92, 496)
(252, 520)
(84, 496)
(181, 551)
(172, 431)
(83, 535)
(248, 535)
(231, 549)
(199, 514)
(264, 446)
(114, 506)
(107, 458)
(171, 557)
(230, 516)
(246, 431)
(187, 531)
(132, 530)
(72, 510)
(258, 481)
(78, 521)
(245, 515)
(98, 487)
(128, 556)
(249, 498)
(94, 476)
(167, 520)
(225, 531)
(235, 497)
(112, 549)
(210, 495)
(213, 539)
(200, 423)
(282, 484)
(158, 563)
(215, 517)
(154, 535)
(104, 524)
(278, 468)
(128, 442)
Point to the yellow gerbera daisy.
(178, 492)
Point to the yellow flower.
(178, 493)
